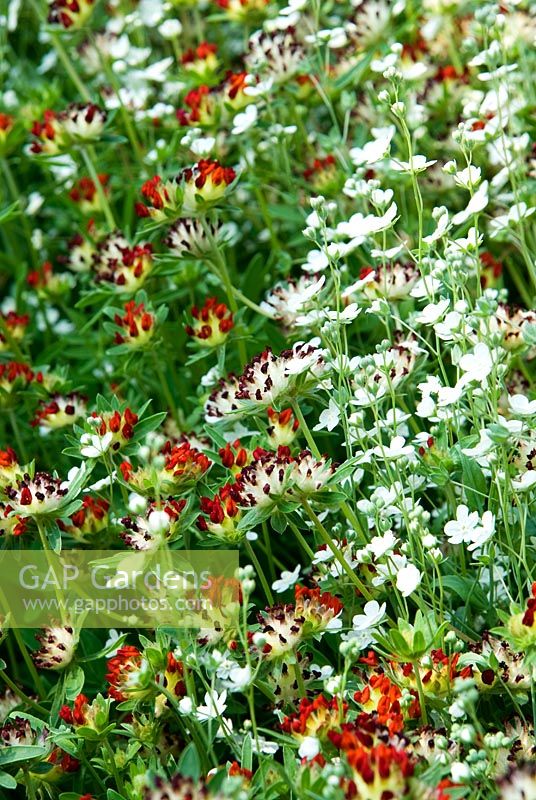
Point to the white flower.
(415, 164)
(94, 446)
(484, 446)
(426, 287)
(408, 579)
(527, 480)
(371, 617)
(517, 212)
(245, 119)
(381, 545)
(443, 224)
(476, 365)
(317, 261)
(476, 204)
(329, 418)
(287, 580)
(35, 201)
(396, 448)
(151, 12)
(309, 748)
(432, 312)
(158, 522)
(468, 178)
(215, 705)
(462, 529)
(203, 146)
(484, 532)
(239, 678)
(521, 405)
(376, 150)
(186, 706)
(360, 226)
(170, 28)
(460, 772)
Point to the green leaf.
(74, 683)
(279, 522)
(114, 645)
(190, 763)
(10, 755)
(111, 794)
(8, 781)
(247, 752)
(476, 486)
(467, 589)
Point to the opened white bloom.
(287, 580)
(360, 226)
(476, 204)
(463, 527)
(432, 312)
(95, 446)
(468, 178)
(381, 545)
(408, 580)
(395, 449)
(476, 366)
(525, 482)
(415, 164)
(329, 418)
(371, 617)
(484, 532)
(245, 119)
(309, 748)
(215, 705)
(516, 213)
(376, 150)
(317, 261)
(186, 706)
(521, 406)
(441, 215)
(238, 678)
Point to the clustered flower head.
(195, 189)
(124, 266)
(79, 123)
(211, 323)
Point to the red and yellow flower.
(211, 323)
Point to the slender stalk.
(420, 691)
(113, 767)
(260, 573)
(305, 429)
(89, 156)
(326, 538)
(23, 696)
(299, 677)
(37, 682)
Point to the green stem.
(260, 572)
(326, 538)
(89, 157)
(113, 767)
(420, 692)
(305, 429)
(28, 782)
(18, 438)
(16, 195)
(299, 677)
(23, 696)
(29, 663)
(69, 69)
